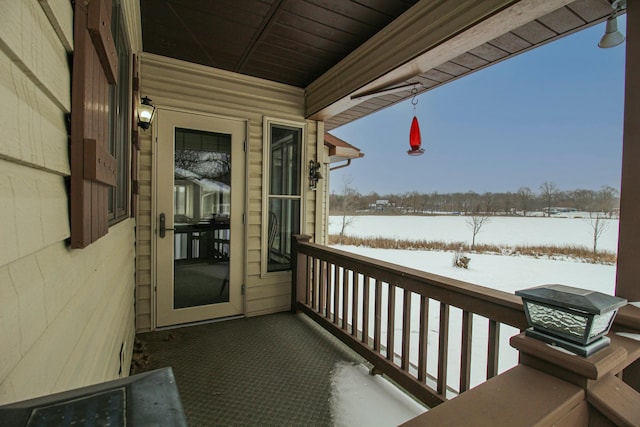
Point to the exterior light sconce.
(572, 318)
(314, 174)
(146, 112)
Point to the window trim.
(121, 150)
(267, 123)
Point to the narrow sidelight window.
(284, 193)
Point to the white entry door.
(199, 234)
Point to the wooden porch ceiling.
(298, 41)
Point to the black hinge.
(243, 289)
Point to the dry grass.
(581, 253)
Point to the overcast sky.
(552, 114)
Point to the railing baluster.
(365, 309)
(314, 291)
(322, 287)
(406, 330)
(336, 293)
(391, 322)
(443, 349)
(494, 349)
(309, 281)
(321, 271)
(378, 316)
(327, 300)
(422, 339)
(310, 275)
(354, 304)
(345, 298)
(465, 351)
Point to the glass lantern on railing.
(572, 318)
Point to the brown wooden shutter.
(93, 169)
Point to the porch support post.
(628, 271)
(628, 279)
(299, 270)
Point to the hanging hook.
(414, 100)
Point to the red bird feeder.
(415, 140)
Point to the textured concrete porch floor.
(260, 371)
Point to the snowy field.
(574, 229)
(506, 273)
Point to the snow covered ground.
(571, 229)
(506, 273)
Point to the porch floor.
(266, 370)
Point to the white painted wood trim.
(266, 176)
(154, 225)
(323, 189)
(133, 23)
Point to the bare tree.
(598, 224)
(505, 202)
(204, 164)
(524, 200)
(411, 202)
(548, 192)
(347, 205)
(583, 199)
(489, 202)
(525, 195)
(475, 221)
(605, 199)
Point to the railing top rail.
(491, 303)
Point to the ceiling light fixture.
(612, 37)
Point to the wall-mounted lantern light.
(146, 111)
(314, 174)
(572, 318)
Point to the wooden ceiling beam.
(429, 34)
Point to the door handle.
(163, 226)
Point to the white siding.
(177, 84)
(64, 314)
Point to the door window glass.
(201, 198)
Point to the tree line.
(546, 198)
